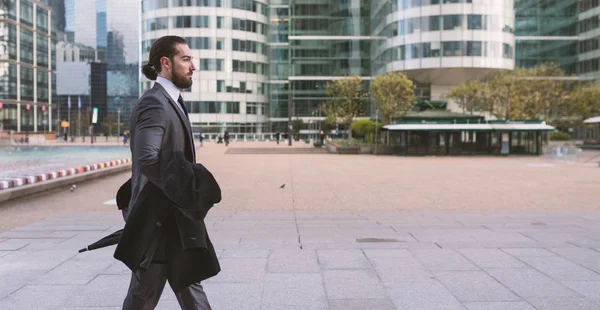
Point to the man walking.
(160, 240)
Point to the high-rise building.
(441, 43)
(437, 43)
(228, 40)
(547, 31)
(589, 37)
(27, 66)
(108, 29)
(304, 44)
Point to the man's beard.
(180, 81)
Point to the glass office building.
(439, 44)
(296, 47)
(104, 38)
(311, 43)
(229, 43)
(589, 36)
(27, 66)
(547, 31)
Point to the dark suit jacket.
(170, 195)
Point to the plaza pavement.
(345, 232)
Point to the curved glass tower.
(228, 39)
(441, 43)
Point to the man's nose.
(193, 68)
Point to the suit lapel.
(184, 120)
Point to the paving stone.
(424, 295)
(590, 289)
(244, 270)
(37, 235)
(587, 258)
(11, 281)
(73, 272)
(387, 253)
(116, 268)
(491, 258)
(361, 304)
(352, 284)
(303, 307)
(499, 305)
(17, 244)
(474, 286)
(563, 303)
(103, 291)
(343, 259)
(293, 261)
(561, 269)
(519, 252)
(39, 297)
(400, 269)
(530, 283)
(34, 260)
(234, 296)
(285, 290)
(443, 260)
(237, 253)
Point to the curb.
(32, 179)
(52, 180)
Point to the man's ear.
(165, 62)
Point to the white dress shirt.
(171, 89)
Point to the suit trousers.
(147, 285)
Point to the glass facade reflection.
(26, 66)
(547, 31)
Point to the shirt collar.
(171, 89)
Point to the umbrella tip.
(83, 250)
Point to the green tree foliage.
(346, 99)
(394, 95)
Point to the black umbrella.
(109, 240)
(123, 196)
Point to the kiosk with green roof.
(441, 132)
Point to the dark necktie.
(180, 100)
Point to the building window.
(42, 19)
(233, 107)
(220, 44)
(452, 22)
(26, 46)
(474, 48)
(192, 22)
(220, 21)
(12, 9)
(452, 48)
(476, 22)
(220, 86)
(26, 84)
(42, 51)
(26, 13)
(507, 51)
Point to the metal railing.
(563, 153)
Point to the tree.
(394, 95)
(526, 93)
(297, 125)
(469, 96)
(585, 103)
(366, 128)
(346, 101)
(544, 96)
(109, 122)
